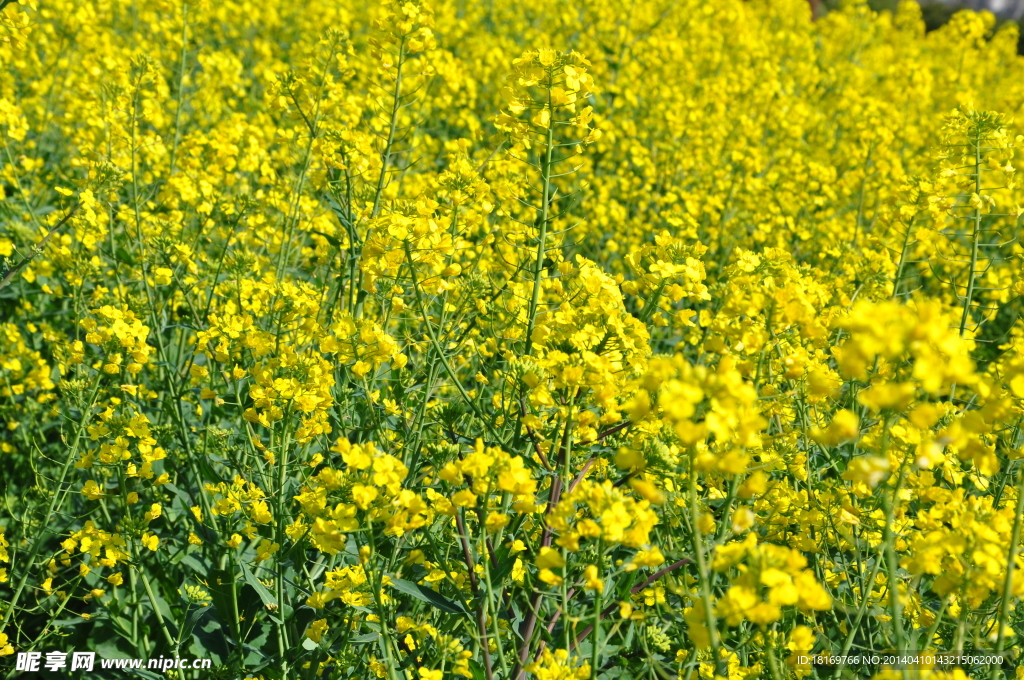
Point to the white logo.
(55, 662)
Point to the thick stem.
(595, 656)
(156, 610)
(474, 585)
(975, 242)
(903, 261)
(891, 565)
(702, 570)
(1011, 563)
(279, 522)
(538, 265)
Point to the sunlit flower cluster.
(506, 340)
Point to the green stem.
(156, 610)
(975, 241)
(538, 265)
(41, 536)
(901, 266)
(888, 541)
(440, 354)
(396, 101)
(181, 83)
(1011, 563)
(595, 655)
(702, 570)
(279, 522)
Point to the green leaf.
(194, 563)
(190, 622)
(333, 240)
(427, 595)
(110, 643)
(506, 560)
(477, 670)
(220, 584)
(124, 256)
(261, 590)
(210, 639)
(338, 211)
(365, 637)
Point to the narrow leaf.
(427, 595)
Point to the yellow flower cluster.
(509, 339)
(768, 578)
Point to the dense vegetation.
(594, 339)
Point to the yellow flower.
(549, 577)
(868, 469)
(163, 276)
(558, 665)
(6, 648)
(647, 558)
(549, 558)
(316, 630)
(496, 521)
(261, 512)
(92, 491)
(363, 495)
(266, 549)
(464, 498)
(591, 579)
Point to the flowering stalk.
(55, 502)
(542, 234)
(1011, 568)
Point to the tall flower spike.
(545, 89)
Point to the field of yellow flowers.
(505, 339)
